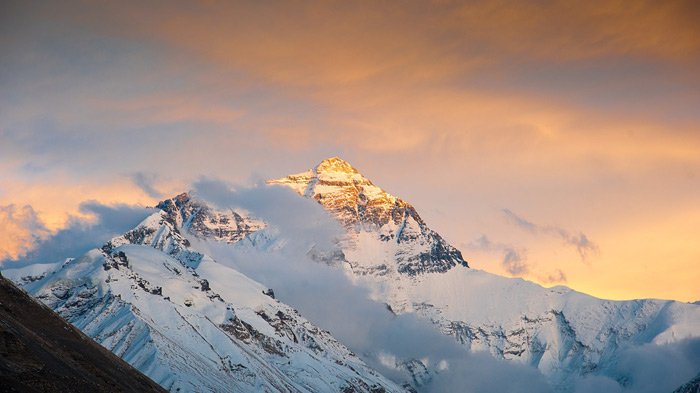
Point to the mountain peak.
(361, 206)
(335, 164)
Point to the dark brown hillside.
(40, 352)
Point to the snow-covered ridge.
(200, 220)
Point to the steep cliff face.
(410, 246)
(40, 352)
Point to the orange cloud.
(20, 228)
(331, 45)
(563, 31)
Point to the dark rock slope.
(693, 386)
(40, 352)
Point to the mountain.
(40, 352)
(563, 333)
(408, 246)
(156, 297)
(188, 322)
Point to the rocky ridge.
(412, 248)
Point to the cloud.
(325, 295)
(660, 367)
(146, 182)
(584, 246)
(597, 384)
(514, 259)
(78, 236)
(557, 276)
(20, 230)
(519, 221)
(647, 368)
(514, 262)
(300, 219)
(580, 241)
(482, 373)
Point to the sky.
(554, 141)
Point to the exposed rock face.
(40, 352)
(202, 221)
(364, 209)
(693, 386)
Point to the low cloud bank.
(323, 293)
(77, 237)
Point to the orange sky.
(580, 119)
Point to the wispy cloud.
(580, 241)
(515, 262)
(557, 276)
(514, 259)
(146, 182)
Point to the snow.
(32, 272)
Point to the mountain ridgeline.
(157, 299)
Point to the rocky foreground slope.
(40, 352)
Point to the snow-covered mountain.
(188, 322)
(563, 333)
(156, 297)
(407, 246)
